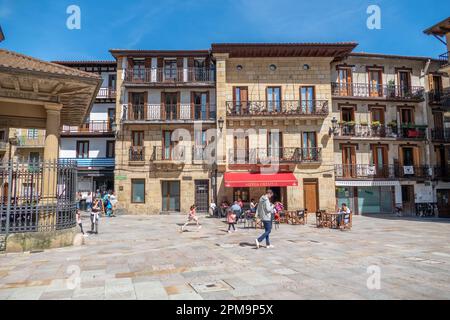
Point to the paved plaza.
(146, 257)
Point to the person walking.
(231, 219)
(192, 217)
(237, 210)
(94, 215)
(264, 212)
(78, 216)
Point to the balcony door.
(137, 138)
(138, 102)
(200, 105)
(273, 98)
(200, 143)
(240, 99)
(138, 66)
(111, 117)
(409, 160)
(200, 71)
(380, 160)
(377, 115)
(345, 81)
(375, 82)
(241, 149)
(275, 145)
(309, 143)
(348, 120)
(307, 97)
(170, 69)
(438, 119)
(404, 80)
(435, 83)
(349, 161)
(171, 102)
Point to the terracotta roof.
(86, 62)
(158, 53)
(14, 60)
(390, 56)
(337, 49)
(440, 28)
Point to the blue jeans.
(267, 231)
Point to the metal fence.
(37, 196)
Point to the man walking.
(264, 212)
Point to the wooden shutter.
(163, 105)
(208, 107)
(180, 72)
(160, 71)
(416, 153)
(192, 105)
(145, 104)
(178, 104)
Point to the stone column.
(47, 217)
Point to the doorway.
(311, 195)
(408, 200)
(202, 195)
(170, 196)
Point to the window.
(404, 81)
(200, 102)
(200, 72)
(34, 156)
(241, 193)
(168, 146)
(137, 138)
(82, 149)
(377, 115)
(170, 195)
(112, 81)
(170, 69)
(2, 135)
(110, 149)
(139, 69)
(307, 99)
(275, 144)
(200, 141)
(273, 99)
(375, 82)
(407, 116)
(138, 106)
(348, 114)
(32, 133)
(138, 190)
(171, 100)
(345, 81)
(310, 151)
(240, 99)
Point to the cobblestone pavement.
(137, 257)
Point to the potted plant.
(391, 88)
(376, 124)
(393, 126)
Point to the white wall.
(97, 147)
(99, 111)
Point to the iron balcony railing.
(31, 142)
(37, 196)
(278, 108)
(171, 153)
(275, 155)
(442, 134)
(442, 172)
(365, 90)
(169, 75)
(407, 131)
(368, 171)
(92, 162)
(203, 153)
(439, 97)
(89, 127)
(106, 93)
(136, 153)
(170, 112)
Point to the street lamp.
(333, 128)
(220, 123)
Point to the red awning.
(238, 179)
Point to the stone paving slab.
(146, 257)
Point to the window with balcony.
(200, 143)
(375, 82)
(275, 144)
(404, 81)
(138, 69)
(170, 69)
(137, 110)
(309, 143)
(380, 160)
(307, 97)
(200, 104)
(137, 138)
(345, 81)
(200, 71)
(273, 97)
(169, 147)
(377, 115)
(171, 101)
(349, 160)
(82, 149)
(406, 116)
(240, 98)
(241, 148)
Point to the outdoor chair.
(320, 216)
(346, 223)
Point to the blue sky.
(38, 27)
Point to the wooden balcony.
(363, 131)
(384, 92)
(106, 93)
(89, 128)
(177, 113)
(167, 76)
(385, 172)
(262, 156)
(284, 108)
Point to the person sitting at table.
(253, 206)
(343, 210)
(237, 210)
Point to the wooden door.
(345, 82)
(375, 83)
(311, 195)
(240, 100)
(380, 160)
(349, 161)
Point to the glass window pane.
(138, 191)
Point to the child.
(192, 217)
(78, 215)
(231, 219)
(278, 209)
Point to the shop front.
(366, 197)
(248, 186)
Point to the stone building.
(276, 103)
(382, 131)
(165, 106)
(439, 117)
